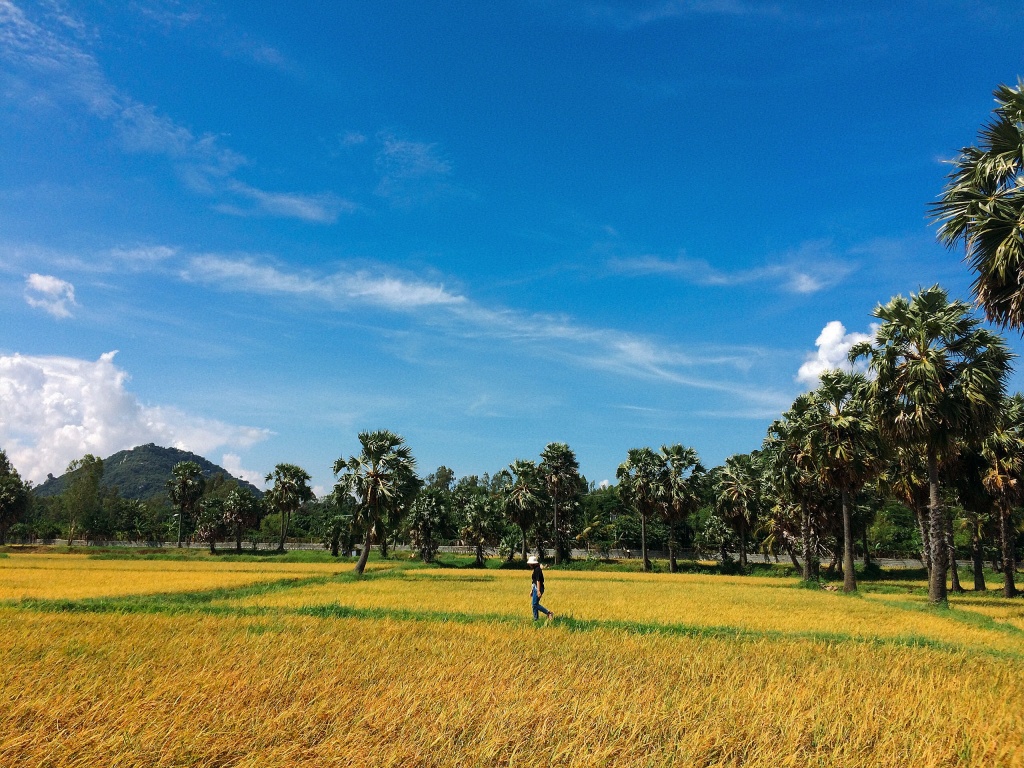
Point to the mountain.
(143, 472)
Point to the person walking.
(537, 590)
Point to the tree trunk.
(1009, 566)
(384, 546)
(815, 561)
(284, 531)
(937, 578)
(480, 556)
(834, 565)
(181, 514)
(523, 529)
(643, 543)
(924, 527)
(238, 539)
(743, 541)
(672, 567)
(977, 556)
(805, 533)
(792, 555)
(213, 546)
(335, 542)
(953, 570)
(558, 548)
(364, 555)
(867, 551)
(849, 577)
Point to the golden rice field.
(444, 667)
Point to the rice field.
(272, 664)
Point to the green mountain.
(143, 472)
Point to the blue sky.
(486, 227)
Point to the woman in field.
(537, 590)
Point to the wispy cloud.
(44, 70)
(410, 171)
(632, 15)
(808, 269)
(50, 294)
(339, 288)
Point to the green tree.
(844, 443)
(939, 378)
(982, 206)
(738, 497)
(523, 496)
(380, 476)
(427, 515)
(336, 521)
(14, 496)
(682, 477)
(1003, 450)
(185, 489)
(83, 499)
(561, 473)
(641, 486)
(241, 511)
(210, 521)
(289, 492)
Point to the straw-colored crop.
(76, 576)
(458, 680)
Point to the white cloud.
(320, 209)
(410, 171)
(834, 345)
(337, 288)
(632, 15)
(50, 294)
(57, 409)
(232, 462)
(808, 269)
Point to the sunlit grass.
(443, 667)
(76, 576)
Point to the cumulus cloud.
(50, 294)
(834, 344)
(56, 409)
(232, 462)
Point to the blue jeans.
(537, 607)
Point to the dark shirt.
(538, 579)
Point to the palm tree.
(378, 477)
(641, 486)
(291, 490)
(1003, 450)
(561, 473)
(241, 509)
(523, 495)
(790, 467)
(427, 514)
(681, 494)
(904, 477)
(983, 206)
(737, 496)
(185, 489)
(939, 377)
(14, 495)
(844, 442)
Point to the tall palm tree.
(185, 489)
(561, 473)
(737, 496)
(523, 493)
(682, 477)
(789, 464)
(378, 477)
(1003, 450)
(844, 442)
(241, 509)
(983, 206)
(291, 490)
(939, 377)
(641, 486)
